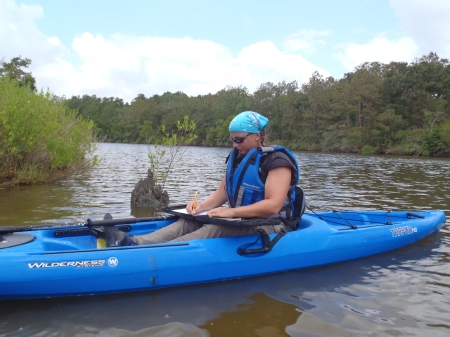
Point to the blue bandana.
(248, 121)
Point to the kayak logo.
(76, 264)
(113, 261)
(405, 230)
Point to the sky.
(123, 48)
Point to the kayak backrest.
(305, 222)
(299, 202)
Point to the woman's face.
(244, 141)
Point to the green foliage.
(331, 141)
(388, 123)
(40, 139)
(109, 115)
(13, 70)
(170, 150)
(408, 142)
(444, 132)
(367, 149)
(433, 144)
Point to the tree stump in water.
(147, 194)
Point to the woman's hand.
(215, 199)
(198, 208)
(221, 212)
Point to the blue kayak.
(66, 259)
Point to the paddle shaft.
(127, 221)
(88, 223)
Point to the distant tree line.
(395, 108)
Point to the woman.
(259, 182)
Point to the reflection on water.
(262, 316)
(404, 292)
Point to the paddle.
(88, 223)
(127, 221)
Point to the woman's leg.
(165, 234)
(218, 231)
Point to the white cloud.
(305, 41)
(425, 28)
(19, 34)
(262, 62)
(54, 41)
(124, 66)
(427, 23)
(379, 49)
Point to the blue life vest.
(244, 186)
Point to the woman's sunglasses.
(239, 140)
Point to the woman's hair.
(264, 139)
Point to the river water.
(401, 293)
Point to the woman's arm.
(215, 199)
(276, 189)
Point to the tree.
(165, 155)
(231, 101)
(14, 71)
(365, 85)
(388, 124)
(318, 91)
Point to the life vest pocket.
(251, 196)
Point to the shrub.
(433, 144)
(367, 149)
(40, 139)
